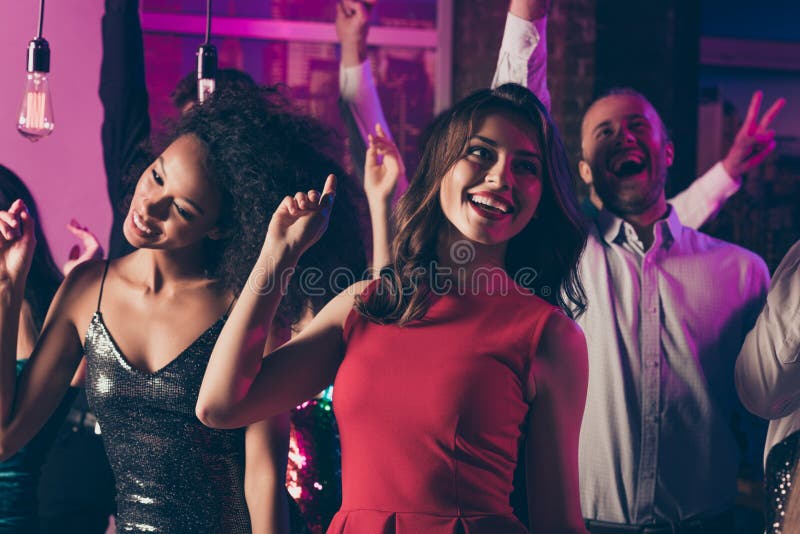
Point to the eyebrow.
(189, 201)
(493, 143)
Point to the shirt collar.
(612, 227)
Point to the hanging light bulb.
(36, 112)
(206, 71)
(206, 62)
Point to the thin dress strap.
(230, 307)
(102, 283)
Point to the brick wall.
(478, 28)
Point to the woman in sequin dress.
(147, 321)
(445, 364)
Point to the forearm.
(705, 196)
(523, 55)
(238, 353)
(268, 506)
(123, 93)
(267, 448)
(267, 499)
(360, 94)
(379, 212)
(11, 299)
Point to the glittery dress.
(314, 470)
(431, 416)
(173, 474)
(778, 477)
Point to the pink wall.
(65, 170)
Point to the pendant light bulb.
(206, 71)
(36, 112)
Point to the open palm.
(383, 168)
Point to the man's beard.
(621, 204)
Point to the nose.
(500, 174)
(625, 136)
(155, 207)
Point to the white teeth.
(491, 202)
(140, 225)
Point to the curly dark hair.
(44, 276)
(551, 243)
(186, 89)
(259, 149)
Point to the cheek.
(533, 194)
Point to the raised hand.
(529, 9)
(301, 220)
(91, 247)
(352, 17)
(383, 168)
(17, 244)
(754, 141)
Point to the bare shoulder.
(338, 309)
(562, 342)
(77, 296)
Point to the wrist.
(732, 171)
(354, 53)
(379, 204)
(11, 292)
(278, 254)
(525, 9)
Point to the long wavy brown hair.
(548, 248)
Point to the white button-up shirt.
(663, 327)
(768, 367)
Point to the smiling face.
(626, 154)
(491, 193)
(174, 205)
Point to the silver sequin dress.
(173, 474)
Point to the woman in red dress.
(448, 363)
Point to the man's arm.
(768, 366)
(523, 52)
(359, 102)
(753, 143)
(123, 93)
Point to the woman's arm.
(267, 448)
(27, 403)
(239, 386)
(560, 377)
(383, 170)
(266, 451)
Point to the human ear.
(586, 172)
(669, 153)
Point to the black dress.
(173, 474)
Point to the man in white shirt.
(668, 309)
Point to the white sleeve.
(523, 56)
(357, 89)
(705, 196)
(767, 368)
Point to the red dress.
(431, 415)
